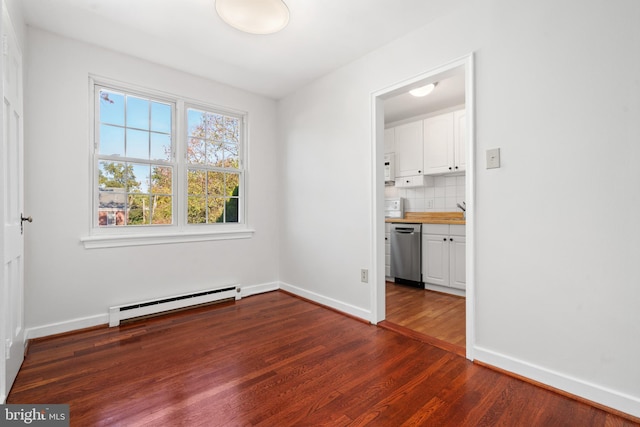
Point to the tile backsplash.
(441, 197)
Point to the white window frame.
(180, 231)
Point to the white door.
(11, 296)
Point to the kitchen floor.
(435, 314)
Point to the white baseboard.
(66, 326)
(445, 289)
(103, 319)
(329, 302)
(249, 290)
(584, 389)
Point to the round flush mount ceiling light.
(424, 90)
(254, 16)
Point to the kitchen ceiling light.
(254, 16)
(424, 90)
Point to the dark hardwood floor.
(276, 360)
(429, 313)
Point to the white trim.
(587, 390)
(103, 319)
(67, 326)
(470, 213)
(116, 241)
(179, 227)
(247, 291)
(328, 302)
(377, 190)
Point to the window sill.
(116, 241)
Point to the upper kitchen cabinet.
(460, 138)
(409, 149)
(444, 143)
(389, 140)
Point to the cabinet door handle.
(444, 240)
(456, 167)
(451, 240)
(449, 167)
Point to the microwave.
(394, 208)
(389, 168)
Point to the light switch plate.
(493, 158)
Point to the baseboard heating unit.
(146, 308)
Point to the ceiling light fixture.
(254, 16)
(424, 90)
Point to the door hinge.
(7, 348)
(5, 45)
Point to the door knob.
(22, 220)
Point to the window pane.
(111, 140)
(161, 210)
(216, 209)
(138, 209)
(214, 127)
(197, 181)
(215, 183)
(231, 210)
(137, 144)
(195, 123)
(160, 117)
(160, 146)
(232, 129)
(137, 113)
(139, 179)
(111, 108)
(232, 159)
(112, 175)
(232, 184)
(111, 206)
(196, 210)
(196, 153)
(161, 180)
(215, 153)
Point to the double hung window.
(164, 163)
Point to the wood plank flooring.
(426, 312)
(276, 360)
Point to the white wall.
(558, 240)
(66, 282)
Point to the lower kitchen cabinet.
(387, 250)
(443, 255)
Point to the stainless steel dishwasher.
(406, 254)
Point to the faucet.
(463, 207)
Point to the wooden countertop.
(430, 218)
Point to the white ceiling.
(449, 92)
(188, 35)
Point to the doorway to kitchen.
(441, 311)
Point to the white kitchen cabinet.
(444, 144)
(443, 256)
(387, 250)
(460, 139)
(408, 149)
(414, 181)
(389, 140)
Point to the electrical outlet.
(429, 203)
(364, 275)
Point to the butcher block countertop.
(430, 218)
